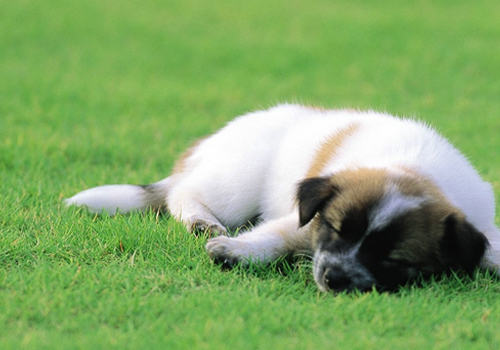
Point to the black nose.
(336, 279)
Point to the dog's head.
(373, 229)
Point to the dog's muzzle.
(340, 272)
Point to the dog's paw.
(227, 251)
(198, 225)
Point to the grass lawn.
(95, 92)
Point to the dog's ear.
(462, 245)
(312, 195)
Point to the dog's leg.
(264, 243)
(196, 216)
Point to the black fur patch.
(462, 245)
(354, 224)
(379, 243)
(312, 195)
(374, 255)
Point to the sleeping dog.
(375, 199)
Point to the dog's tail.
(114, 199)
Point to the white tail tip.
(111, 199)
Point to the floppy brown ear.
(312, 195)
(462, 245)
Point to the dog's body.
(368, 182)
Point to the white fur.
(114, 199)
(393, 204)
(110, 199)
(252, 166)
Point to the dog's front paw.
(226, 251)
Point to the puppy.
(376, 200)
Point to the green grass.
(95, 92)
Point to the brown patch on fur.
(180, 164)
(359, 189)
(328, 150)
